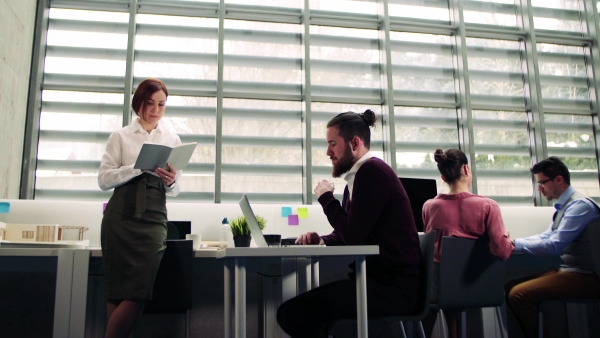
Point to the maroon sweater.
(379, 214)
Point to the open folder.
(154, 155)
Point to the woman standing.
(134, 226)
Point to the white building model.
(48, 233)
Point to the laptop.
(257, 234)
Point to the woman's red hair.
(144, 91)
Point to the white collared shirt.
(349, 177)
(122, 150)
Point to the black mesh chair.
(427, 243)
(469, 277)
(173, 286)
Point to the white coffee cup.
(197, 238)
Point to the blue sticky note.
(4, 207)
(293, 220)
(286, 211)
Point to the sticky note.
(286, 211)
(303, 212)
(293, 220)
(4, 207)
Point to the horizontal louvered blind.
(257, 96)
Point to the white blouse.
(122, 149)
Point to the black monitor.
(177, 229)
(419, 190)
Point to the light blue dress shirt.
(578, 214)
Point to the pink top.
(468, 216)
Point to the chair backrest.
(427, 243)
(178, 229)
(173, 286)
(470, 277)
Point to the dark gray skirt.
(133, 235)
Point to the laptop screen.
(259, 239)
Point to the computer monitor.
(177, 229)
(419, 190)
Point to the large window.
(254, 83)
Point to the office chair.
(469, 277)
(172, 292)
(427, 243)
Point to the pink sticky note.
(293, 220)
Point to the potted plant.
(241, 231)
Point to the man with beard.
(374, 211)
(573, 234)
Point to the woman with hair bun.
(460, 213)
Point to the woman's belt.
(145, 180)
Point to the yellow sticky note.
(302, 212)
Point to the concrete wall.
(17, 21)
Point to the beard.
(344, 164)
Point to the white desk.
(237, 261)
(73, 270)
(79, 287)
(64, 273)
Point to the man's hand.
(310, 238)
(323, 187)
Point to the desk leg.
(288, 278)
(81, 267)
(303, 275)
(361, 297)
(315, 272)
(240, 297)
(228, 314)
(62, 300)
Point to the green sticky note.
(302, 212)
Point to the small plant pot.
(242, 241)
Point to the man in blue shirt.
(574, 235)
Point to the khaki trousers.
(524, 295)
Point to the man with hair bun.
(375, 210)
(573, 234)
